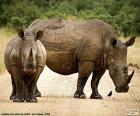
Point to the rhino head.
(117, 64)
(28, 51)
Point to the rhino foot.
(18, 99)
(37, 94)
(97, 96)
(12, 97)
(80, 95)
(31, 99)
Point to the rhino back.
(72, 41)
(62, 45)
(68, 36)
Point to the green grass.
(5, 36)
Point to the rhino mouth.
(29, 68)
(122, 89)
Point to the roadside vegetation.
(122, 14)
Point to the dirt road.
(57, 97)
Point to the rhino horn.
(31, 53)
(130, 77)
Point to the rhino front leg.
(84, 70)
(13, 94)
(20, 86)
(31, 87)
(94, 84)
(31, 91)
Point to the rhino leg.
(13, 94)
(94, 84)
(37, 92)
(31, 91)
(20, 85)
(31, 87)
(85, 69)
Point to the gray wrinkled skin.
(85, 47)
(25, 58)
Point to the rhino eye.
(116, 70)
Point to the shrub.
(62, 10)
(83, 4)
(20, 14)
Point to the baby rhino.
(25, 59)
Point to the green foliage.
(123, 15)
(19, 14)
(83, 4)
(62, 10)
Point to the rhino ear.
(39, 35)
(130, 42)
(21, 34)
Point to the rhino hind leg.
(94, 84)
(37, 92)
(85, 69)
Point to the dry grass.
(5, 36)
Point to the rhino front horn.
(31, 53)
(130, 77)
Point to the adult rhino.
(85, 47)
